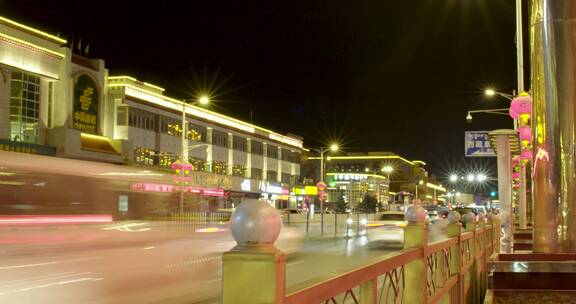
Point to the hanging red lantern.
(520, 105)
(526, 155)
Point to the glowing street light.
(334, 147)
(490, 92)
(481, 177)
(470, 177)
(203, 100)
(453, 178)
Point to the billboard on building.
(85, 114)
(477, 144)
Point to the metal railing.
(191, 220)
(453, 270)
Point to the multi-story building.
(385, 175)
(56, 102)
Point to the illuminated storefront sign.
(85, 115)
(163, 188)
(347, 177)
(311, 190)
(299, 191)
(245, 185)
(266, 187)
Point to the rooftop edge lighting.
(159, 99)
(31, 45)
(437, 187)
(33, 30)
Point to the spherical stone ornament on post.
(454, 217)
(469, 218)
(416, 214)
(481, 217)
(255, 222)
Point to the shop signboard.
(299, 190)
(85, 111)
(477, 144)
(266, 187)
(245, 185)
(311, 190)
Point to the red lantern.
(525, 134)
(520, 105)
(526, 155)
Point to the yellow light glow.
(30, 45)
(286, 140)
(429, 196)
(334, 147)
(204, 100)
(490, 92)
(437, 187)
(137, 81)
(25, 27)
(393, 193)
(387, 169)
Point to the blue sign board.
(477, 144)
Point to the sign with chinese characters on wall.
(85, 111)
(477, 144)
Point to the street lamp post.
(489, 92)
(333, 147)
(203, 100)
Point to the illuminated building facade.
(353, 175)
(59, 103)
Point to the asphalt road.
(154, 262)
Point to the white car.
(393, 218)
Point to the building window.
(199, 164)
(239, 143)
(24, 107)
(144, 156)
(196, 132)
(219, 167)
(271, 176)
(287, 155)
(239, 170)
(50, 102)
(141, 119)
(166, 159)
(122, 116)
(272, 151)
(295, 157)
(219, 138)
(257, 147)
(256, 173)
(286, 178)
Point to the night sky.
(375, 75)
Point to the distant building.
(353, 175)
(56, 102)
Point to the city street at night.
(152, 262)
(265, 152)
